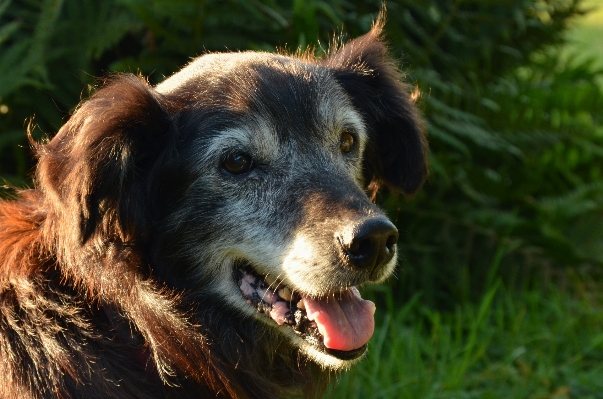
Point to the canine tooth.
(269, 280)
(300, 304)
(285, 293)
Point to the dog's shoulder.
(53, 342)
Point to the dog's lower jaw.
(307, 350)
(319, 357)
(299, 331)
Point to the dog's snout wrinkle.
(370, 244)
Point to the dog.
(206, 237)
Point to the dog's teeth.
(290, 319)
(269, 280)
(249, 279)
(267, 296)
(298, 317)
(300, 304)
(285, 293)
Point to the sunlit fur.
(117, 269)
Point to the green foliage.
(507, 345)
(516, 144)
(516, 132)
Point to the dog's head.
(244, 178)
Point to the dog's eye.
(238, 163)
(346, 143)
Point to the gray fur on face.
(285, 216)
(204, 237)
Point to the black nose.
(371, 243)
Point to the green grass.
(537, 344)
(511, 345)
(585, 39)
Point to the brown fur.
(82, 312)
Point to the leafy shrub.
(516, 135)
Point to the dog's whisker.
(216, 224)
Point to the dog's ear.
(94, 171)
(396, 153)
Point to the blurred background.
(499, 293)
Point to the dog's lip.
(294, 316)
(347, 355)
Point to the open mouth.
(339, 324)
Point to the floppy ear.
(396, 153)
(94, 172)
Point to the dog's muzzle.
(333, 319)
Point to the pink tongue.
(346, 323)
